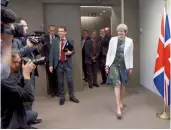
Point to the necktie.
(51, 38)
(62, 58)
(94, 47)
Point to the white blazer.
(128, 52)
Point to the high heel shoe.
(119, 116)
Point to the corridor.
(97, 110)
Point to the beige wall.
(150, 24)
(32, 11)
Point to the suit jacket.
(46, 48)
(128, 52)
(105, 45)
(89, 50)
(24, 50)
(55, 52)
(83, 46)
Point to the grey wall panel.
(94, 23)
(132, 20)
(69, 16)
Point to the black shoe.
(37, 121)
(103, 83)
(96, 85)
(53, 95)
(91, 87)
(73, 99)
(85, 79)
(62, 101)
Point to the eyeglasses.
(52, 30)
(61, 31)
(19, 62)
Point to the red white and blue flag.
(162, 73)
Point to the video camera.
(8, 17)
(37, 38)
(15, 29)
(4, 3)
(39, 61)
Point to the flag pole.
(164, 115)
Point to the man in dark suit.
(84, 40)
(92, 52)
(61, 52)
(104, 48)
(51, 77)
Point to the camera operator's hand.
(51, 69)
(27, 69)
(29, 43)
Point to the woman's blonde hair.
(94, 33)
(122, 27)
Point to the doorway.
(95, 18)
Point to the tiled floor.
(97, 110)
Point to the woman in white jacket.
(119, 64)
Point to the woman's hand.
(107, 70)
(130, 71)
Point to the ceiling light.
(104, 11)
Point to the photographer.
(7, 17)
(13, 94)
(27, 49)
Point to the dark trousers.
(102, 68)
(31, 116)
(32, 77)
(92, 73)
(52, 81)
(84, 69)
(64, 68)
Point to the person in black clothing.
(51, 77)
(85, 38)
(13, 115)
(29, 50)
(104, 48)
(92, 52)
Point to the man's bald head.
(107, 30)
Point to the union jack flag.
(162, 73)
